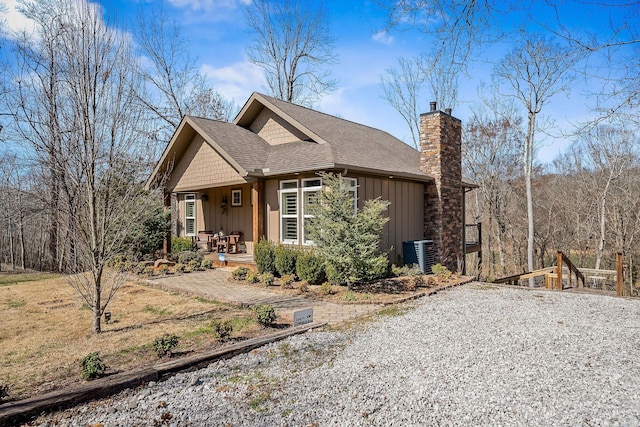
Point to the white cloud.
(383, 37)
(208, 4)
(236, 81)
(14, 20)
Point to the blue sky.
(218, 35)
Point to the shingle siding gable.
(201, 166)
(274, 129)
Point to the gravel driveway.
(474, 355)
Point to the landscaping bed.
(382, 291)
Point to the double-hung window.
(310, 191)
(190, 215)
(352, 185)
(296, 199)
(289, 211)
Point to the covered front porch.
(226, 218)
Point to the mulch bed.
(384, 291)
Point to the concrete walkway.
(215, 285)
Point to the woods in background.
(84, 118)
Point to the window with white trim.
(289, 211)
(296, 199)
(310, 191)
(352, 185)
(190, 215)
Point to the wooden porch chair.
(203, 240)
(234, 240)
(223, 244)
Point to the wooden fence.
(565, 272)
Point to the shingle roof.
(339, 143)
(353, 144)
(246, 148)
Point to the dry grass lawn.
(45, 330)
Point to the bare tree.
(614, 49)
(608, 153)
(87, 74)
(292, 43)
(401, 88)
(442, 78)
(492, 142)
(455, 28)
(173, 85)
(533, 73)
(34, 102)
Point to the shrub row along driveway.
(473, 355)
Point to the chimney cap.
(447, 111)
(433, 104)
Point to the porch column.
(257, 203)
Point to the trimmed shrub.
(206, 264)
(193, 265)
(165, 344)
(222, 329)
(304, 287)
(253, 276)
(265, 314)
(240, 273)
(441, 271)
(287, 280)
(264, 256)
(92, 367)
(310, 267)
(326, 289)
(266, 279)
(186, 257)
(181, 244)
(4, 392)
(285, 260)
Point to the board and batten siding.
(405, 212)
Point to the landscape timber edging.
(12, 413)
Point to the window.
(352, 185)
(310, 190)
(190, 215)
(289, 211)
(236, 197)
(296, 199)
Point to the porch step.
(233, 260)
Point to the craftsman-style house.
(255, 175)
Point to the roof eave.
(264, 173)
(165, 153)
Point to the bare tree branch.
(292, 43)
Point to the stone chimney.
(441, 158)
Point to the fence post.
(480, 251)
(619, 276)
(559, 279)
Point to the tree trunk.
(603, 211)
(12, 255)
(21, 229)
(528, 166)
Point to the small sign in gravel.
(302, 317)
